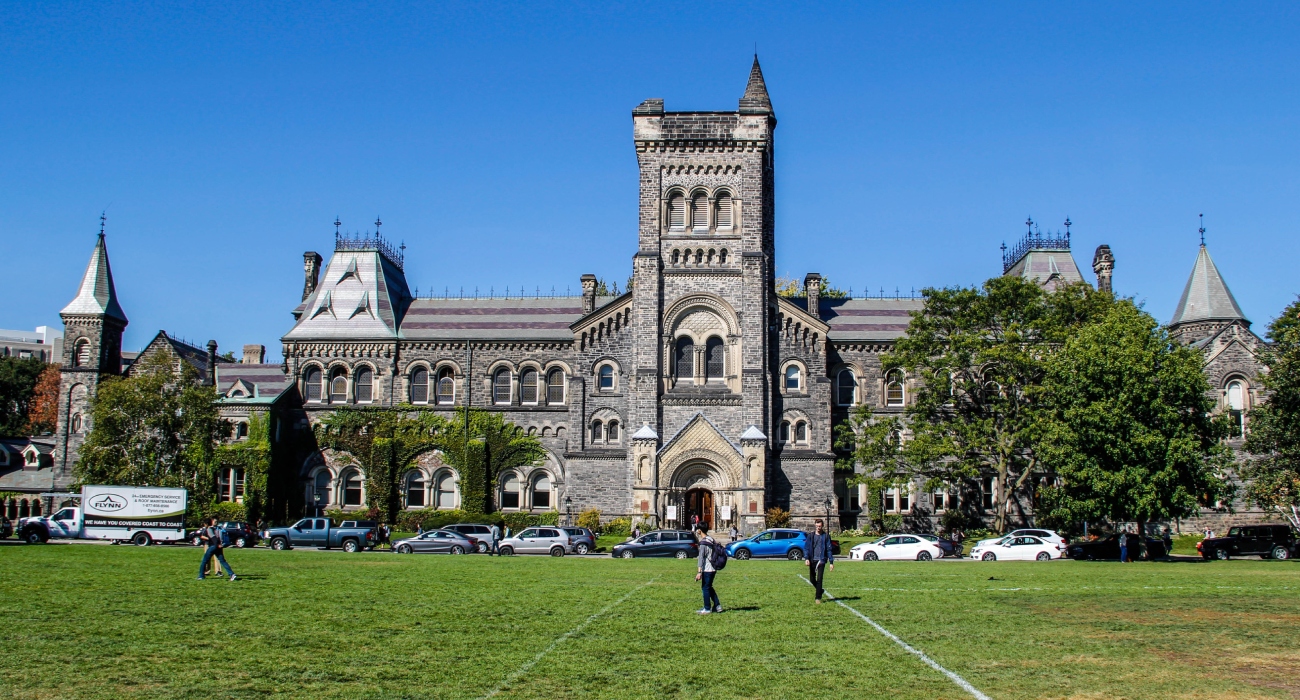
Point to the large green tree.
(1273, 440)
(253, 456)
(1128, 431)
(384, 443)
(490, 446)
(158, 427)
(18, 379)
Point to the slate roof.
(867, 319)
(755, 100)
(362, 295)
(1042, 265)
(268, 381)
(545, 318)
(16, 476)
(1206, 296)
(97, 296)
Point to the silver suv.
(481, 534)
(544, 539)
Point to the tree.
(43, 411)
(18, 379)
(384, 444)
(1128, 431)
(155, 428)
(1273, 441)
(490, 446)
(253, 456)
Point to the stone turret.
(311, 268)
(812, 286)
(1103, 263)
(588, 293)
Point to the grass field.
(101, 621)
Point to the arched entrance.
(699, 504)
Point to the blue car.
(779, 542)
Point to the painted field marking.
(961, 682)
(528, 665)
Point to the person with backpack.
(217, 540)
(711, 560)
(818, 557)
(496, 541)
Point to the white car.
(1015, 549)
(1047, 536)
(896, 547)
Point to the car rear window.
(786, 535)
(669, 537)
(549, 533)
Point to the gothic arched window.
(311, 382)
(446, 386)
(338, 385)
(606, 377)
(415, 490)
(597, 431)
(700, 213)
(723, 215)
(894, 389)
(364, 388)
(801, 432)
(784, 434)
(352, 488)
(528, 386)
(677, 212)
(685, 359)
(716, 353)
(542, 492)
(792, 378)
(501, 386)
(81, 358)
(509, 491)
(611, 431)
(1236, 396)
(555, 387)
(322, 488)
(420, 385)
(444, 491)
(846, 386)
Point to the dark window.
(446, 386)
(611, 431)
(986, 486)
(311, 381)
(606, 377)
(542, 493)
(889, 504)
(420, 385)
(415, 490)
(784, 434)
(685, 358)
(597, 431)
(528, 386)
(510, 491)
(365, 385)
(801, 432)
(501, 386)
(555, 387)
(716, 353)
(323, 488)
(847, 388)
(352, 489)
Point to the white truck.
(140, 515)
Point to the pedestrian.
(705, 570)
(636, 530)
(212, 536)
(385, 533)
(1169, 541)
(1123, 546)
(419, 529)
(735, 534)
(496, 541)
(819, 556)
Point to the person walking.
(735, 534)
(636, 530)
(1123, 546)
(819, 556)
(211, 535)
(496, 541)
(705, 571)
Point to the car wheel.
(1280, 553)
(241, 542)
(350, 546)
(404, 549)
(628, 554)
(742, 554)
(557, 551)
(795, 554)
(482, 548)
(870, 556)
(924, 556)
(1221, 554)
(141, 539)
(990, 556)
(507, 551)
(1044, 556)
(33, 537)
(457, 549)
(582, 548)
(279, 544)
(681, 554)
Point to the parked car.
(1268, 541)
(539, 540)
(436, 541)
(777, 542)
(950, 548)
(584, 540)
(241, 534)
(1049, 536)
(897, 547)
(317, 532)
(1108, 548)
(660, 543)
(1016, 549)
(481, 534)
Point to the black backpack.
(717, 556)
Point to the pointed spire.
(1206, 296)
(755, 100)
(97, 296)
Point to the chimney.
(588, 293)
(311, 266)
(253, 354)
(1103, 263)
(211, 379)
(812, 288)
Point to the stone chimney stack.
(253, 354)
(1103, 263)
(588, 293)
(211, 379)
(812, 288)
(311, 266)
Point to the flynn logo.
(108, 503)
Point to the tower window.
(792, 378)
(555, 387)
(446, 386)
(311, 382)
(365, 382)
(685, 359)
(716, 353)
(420, 385)
(528, 386)
(723, 207)
(1237, 407)
(501, 387)
(82, 357)
(700, 213)
(677, 212)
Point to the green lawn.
(101, 621)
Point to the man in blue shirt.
(818, 557)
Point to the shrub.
(891, 523)
(519, 521)
(617, 526)
(432, 519)
(228, 511)
(589, 519)
(778, 517)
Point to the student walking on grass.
(212, 536)
(707, 566)
(819, 556)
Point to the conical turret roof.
(97, 297)
(1206, 296)
(755, 100)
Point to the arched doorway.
(699, 504)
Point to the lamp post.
(828, 513)
(568, 510)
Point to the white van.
(140, 515)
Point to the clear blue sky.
(495, 141)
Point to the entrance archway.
(699, 503)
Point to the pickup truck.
(317, 532)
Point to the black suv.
(1268, 541)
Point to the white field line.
(528, 665)
(961, 682)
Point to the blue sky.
(495, 141)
